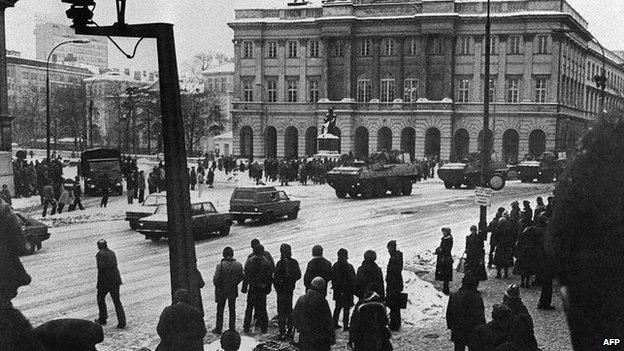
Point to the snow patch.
(424, 303)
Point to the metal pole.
(485, 149)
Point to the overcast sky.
(201, 25)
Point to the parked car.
(262, 202)
(34, 231)
(147, 208)
(205, 218)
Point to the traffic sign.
(483, 196)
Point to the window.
(271, 49)
(363, 90)
(292, 49)
(492, 96)
(365, 47)
(272, 90)
(464, 45)
(210, 85)
(437, 47)
(540, 90)
(313, 90)
(247, 49)
(493, 45)
(542, 44)
(223, 85)
(514, 44)
(413, 47)
(388, 48)
(292, 88)
(248, 90)
(410, 88)
(513, 90)
(338, 49)
(463, 90)
(387, 89)
(315, 48)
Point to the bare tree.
(202, 114)
(204, 60)
(29, 112)
(68, 103)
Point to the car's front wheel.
(154, 238)
(225, 231)
(293, 214)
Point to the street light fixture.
(76, 41)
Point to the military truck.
(468, 173)
(381, 172)
(545, 168)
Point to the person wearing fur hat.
(521, 325)
(343, 283)
(369, 325)
(312, 318)
(444, 261)
(369, 276)
(465, 311)
(287, 273)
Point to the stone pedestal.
(328, 144)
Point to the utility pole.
(485, 148)
(183, 263)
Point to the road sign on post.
(483, 196)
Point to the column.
(449, 63)
(555, 68)
(424, 63)
(501, 88)
(400, 75)
(325, 62)
(527, 77)
(348, 87)
(376, 62)
(259, 70)
(237, 57)
(477, 78)
(303, 70)
(6, 164)
(281, 79)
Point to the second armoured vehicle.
(383, 171)
(468, 173)
(545, 168)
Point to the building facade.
(220, 80)
(49, 34)
(409, 75)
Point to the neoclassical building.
(408, 74)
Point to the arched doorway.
(408, 141)
(361, 142)
(291, 143)
(310, 141)
(246, 142)
(462, 144)
(537, 142)
(384, 139)
(270, 142)
(490, 140)
(510, 146)
(432, 142)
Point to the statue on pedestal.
(329, 123)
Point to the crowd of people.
(518, 239)
(31, 176)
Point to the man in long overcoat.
(369, 276)
(287, 273)
(312, 317)
(318, 266)
(394, 284)
(465, 312)
(12, 243)
(343, 284)
(228, 274)
(181, 326)
(257, 280)
(108, 281)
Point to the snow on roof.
(271, 4)
(226, 135)
(115, 76)
(225, 68)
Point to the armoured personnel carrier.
(545, 168)
(468, 173)
(382, 172)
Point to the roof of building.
(275, 4)
(73, 68)
(117, 77)
(225, 68)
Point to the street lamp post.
(76, 41)
(485, 140)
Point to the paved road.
(64, 272)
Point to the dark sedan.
(34, 231)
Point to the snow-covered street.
(64, 271)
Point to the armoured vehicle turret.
(468, 173)
(545, 168)
(382, 172)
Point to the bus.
(95, 164)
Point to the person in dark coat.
(514, 218)
(475, 254)
(77, 193)
(12, 243)
(318, 266)
(343, 282)
(394, 284)
(69, 334)
(108, 281)
(545, 264)
(141, 186)
(503, 255)
(525, 254)
(5, 194)
(540, 208)
(493, 230)
(265, 253)
(210, 178)
(527, 211)
(549, 207)
(312, 318)
(16, 332)
(192, 178)
(521, 323)
(49, 199)
(287, 273)
(444, 261)
(105, 188)
(181, 326)
(489, 336)
(230, 341)
(369, 325)
(257, 281)
(465, 311)
(369, 276)
(228, 274)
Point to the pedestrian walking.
(105, 189)
(369, 325)
(193, 177)
(522, 332)
(506, 238)
(65, 199)
(12, 243)
(343, 283)
(48, 199)
(108, 281)
(210, 178)
(475, 254)
(228, 274)
(129, 188)
(287, 273)
(369, 276)
(200, 182)
(152, 182)
(141, 186)
(491, 335)
(5, 194)
(312, 318)
(181, 325)
(493, 230)
(444, 261)
(257, 285)
(318, 266)
(394, 284)
(465, 311)
(77, 194)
